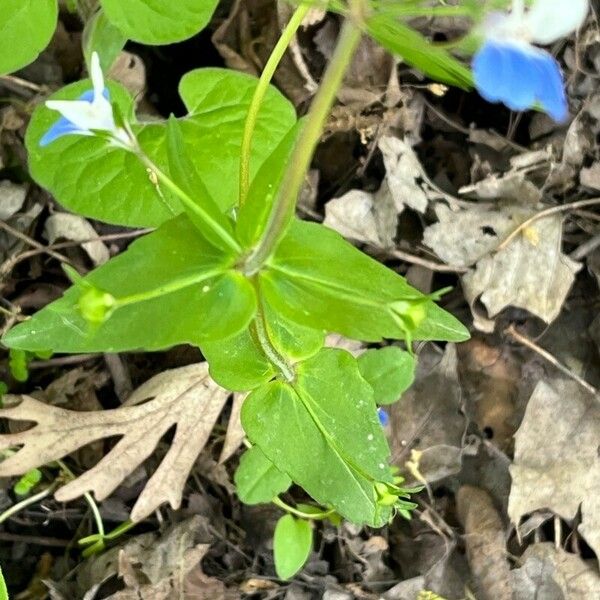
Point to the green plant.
(228, 267)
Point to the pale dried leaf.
(373, 217)
(556, 464)
(549, 573)
(234, 436)
(77, 229)
(335, 340)
(405, 178)
(186, 398)
(513, 185)
(12, 198)
(486, 227)
(363, 217)
(590, 176)
(129, 70)
(530, 273)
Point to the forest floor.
(503, 430)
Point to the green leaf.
(390, 372)
(3, 588)
(257, 479)
(292, 340)
(90, 177)
(101, 36)
(238, 363)
(363, 300)
(292, 544)
(184, 172)
(26, 27)
(169, 287)
(253, 214)
(323, 431)
(27, 482)
(414, 49)
(218, 102)
(18, 364)
(158, 21)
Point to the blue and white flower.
(91, 114)
(508, 68)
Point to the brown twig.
(63, 360)
(31, 242)
(13, 261)
(525, 341)
(34, 540)
(23, 83)
(428, 264)
(545, 213)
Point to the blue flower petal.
(520, 76)
(551, 88)
(65, 127)
(384, 418)
(61, 128)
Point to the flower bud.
(96, 305)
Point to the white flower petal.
(550, 20)
(79, 112)
(103, 114)
(97, 76)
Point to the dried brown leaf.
(234, 436)
(531, 272)
(77, 229)
(549, 573)
(556, 463)
(185, 398)
(484, 541)
(434, 398)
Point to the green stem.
(287, 35)
(270, 352)
(169, 288)
(261, 337)
(298, 513)
(189, 203)
(285, 203)
(88, 497)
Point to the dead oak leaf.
(556, 464)
(235, 434)
(185, 398)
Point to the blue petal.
(63, 126)
(520, 76)
(384, 418)
(551, 88)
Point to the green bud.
(412, 312)
(96, 305)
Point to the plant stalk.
(188, 202)
(285, 204)
(287, 35)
